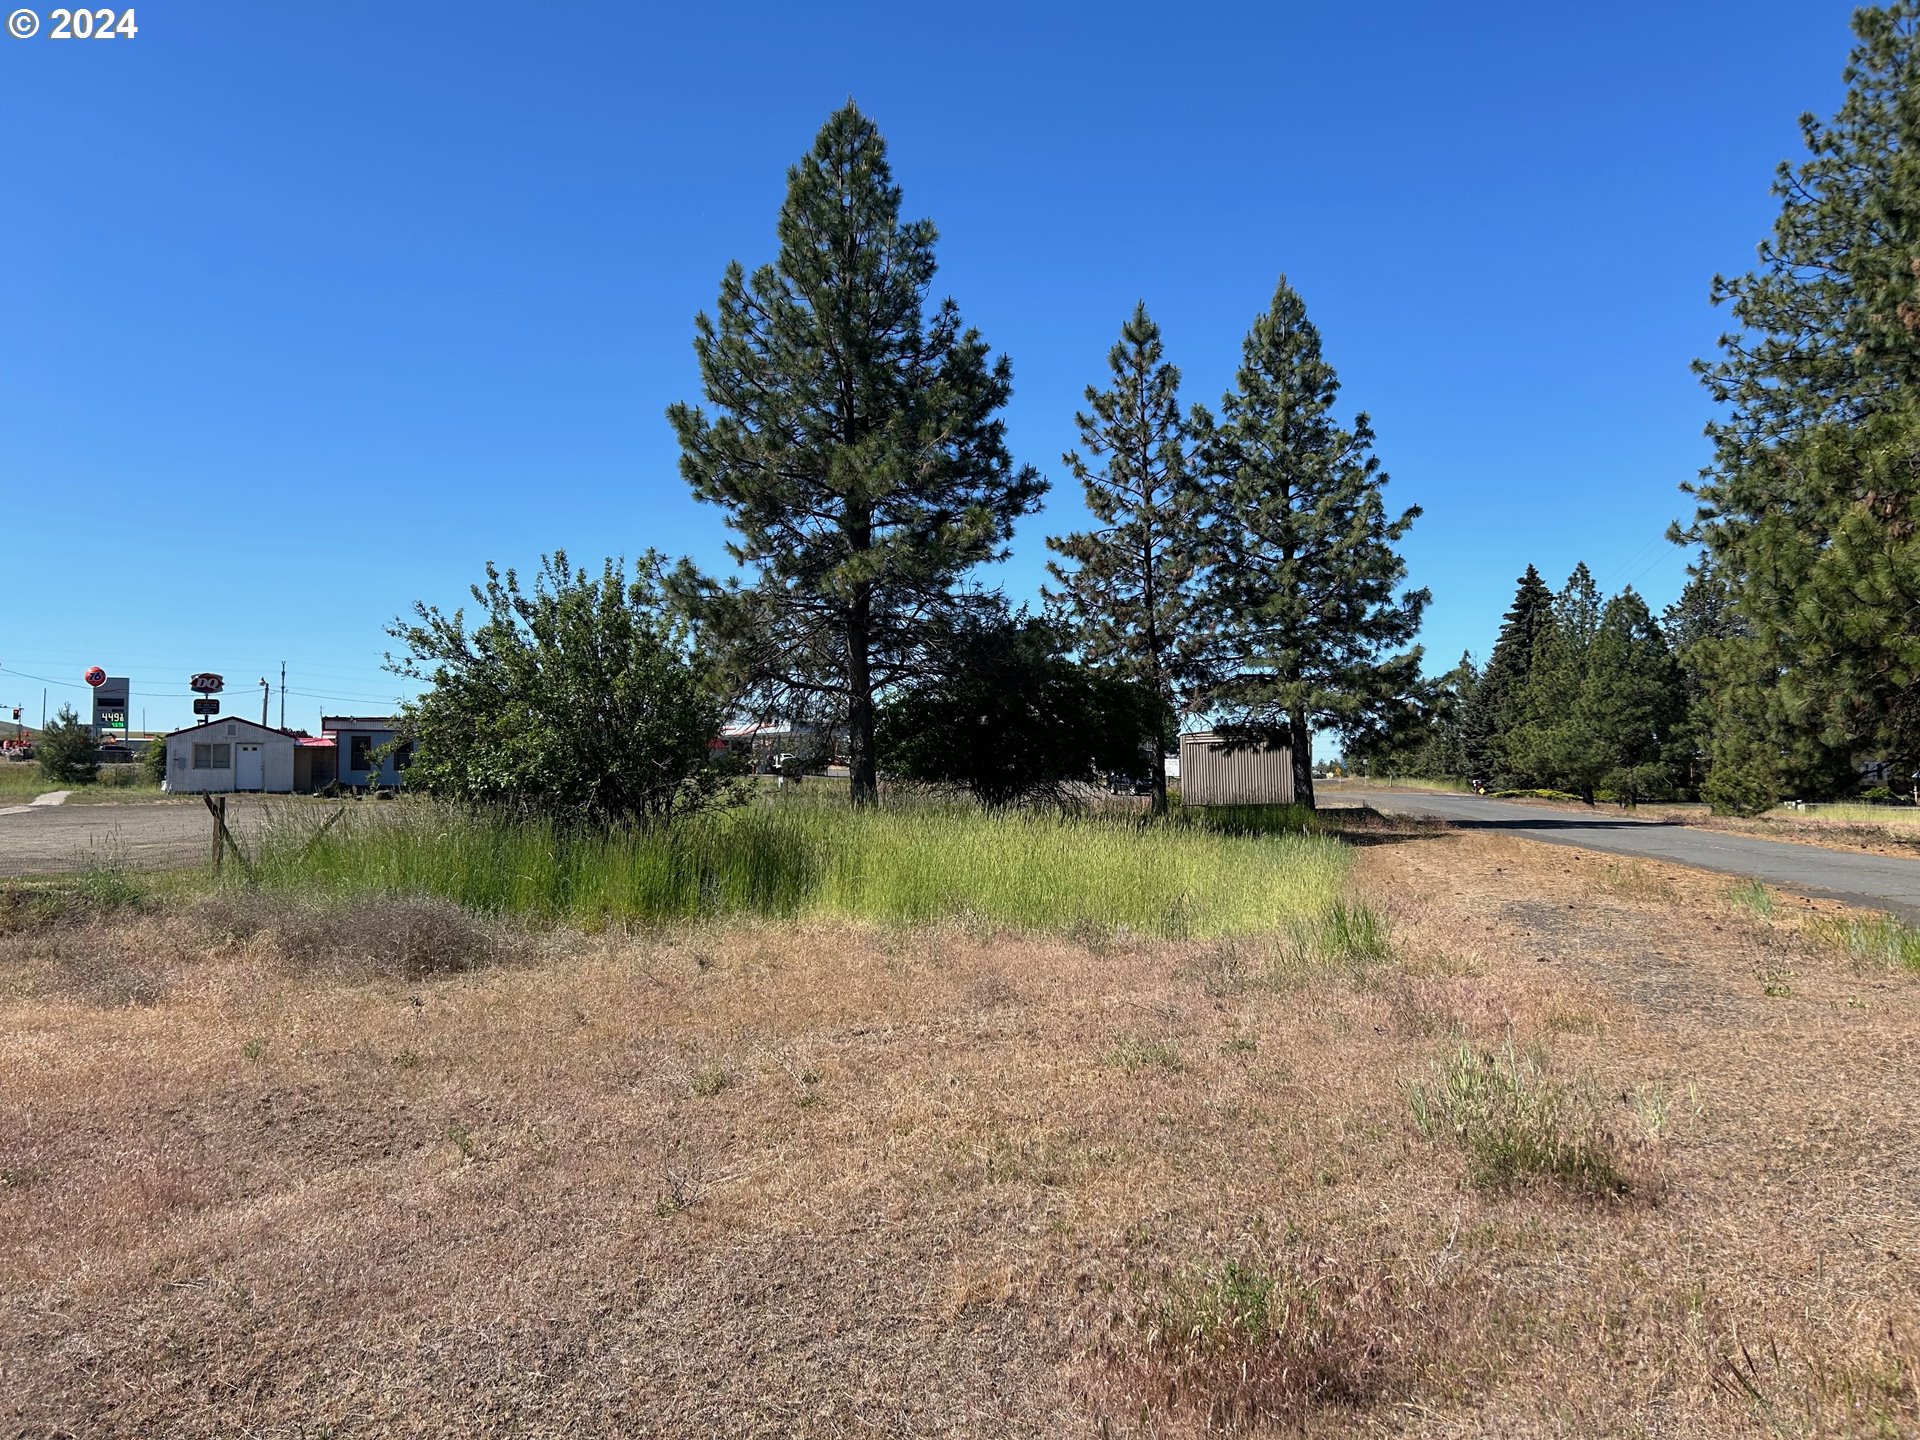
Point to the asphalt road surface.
(1879, 882)
(64, 839)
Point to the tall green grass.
(1894, 817)
(1875, 939)
(789, 859)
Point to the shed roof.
(216, 721)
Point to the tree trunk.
(1301, 743)
(1160, 775)
(863, 779)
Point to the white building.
(230, 754)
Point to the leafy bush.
(579, 701)
(1009, 717)
(66, 751)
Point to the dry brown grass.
(273, 1175)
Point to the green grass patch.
(902, 864)
(1753, 897)
(1876, 939)
(1246, 819)
(1897, 817)
(1135, 1052)
(1560, 795)
(70, 900)
(1517, 1124)
(22, 780)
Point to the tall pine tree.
(855, 443)
(1698, 626)
(1303, 576)
(1630, 707)
(1546, 744)
(1492, 712)
(1811, 508)
(1129, 594)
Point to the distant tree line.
(1792, 659)
(1594, 698)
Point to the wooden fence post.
(219, 813)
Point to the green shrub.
(66, 751)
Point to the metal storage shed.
(229, 754)
(1211, 773)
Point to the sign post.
(206, 685)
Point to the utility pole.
(266, 696)
(43, 708)
(283, 694)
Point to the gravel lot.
(59, 840)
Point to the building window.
(212, 757)
(360, 752)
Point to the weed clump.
(1877, 939)
(1752, 897)
(94, 894)
(1517, 1124)
(397, 937)
(1135, 1052)
(1245, 1343)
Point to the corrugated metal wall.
(1210, 774)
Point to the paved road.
(55, 840)
(1879, 882)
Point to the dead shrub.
(399, 937)
(1269, 1338)
(99, 964)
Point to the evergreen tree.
(1492, 712)
(1696, 624)
(66, 750)
(1630, 706)
(1448, 754)
(1811, 508)
(1431, 740)
(855, 444)
(1303, 573)
(1129, 593)
(1548, 744)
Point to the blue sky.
(311, 310)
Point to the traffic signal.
(16, 714)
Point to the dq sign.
(207, 684)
